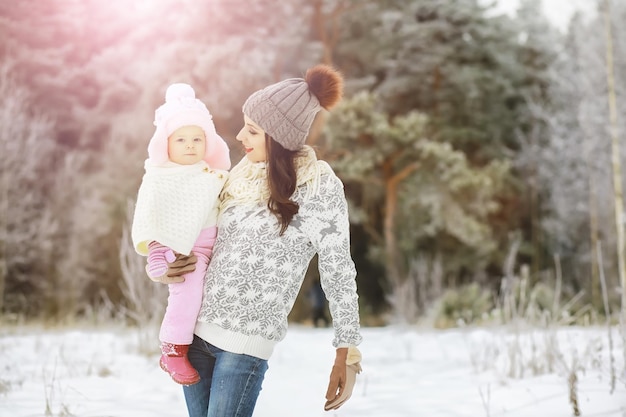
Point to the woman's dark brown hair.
(282, 180)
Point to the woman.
(280, 206)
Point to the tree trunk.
(596, 295)
(4, 233)
(535, 227)
(392, 182)
(594, 234)
(326, 27)
(616, 160)
(594, 225)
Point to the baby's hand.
(169, 256)
(181, 265)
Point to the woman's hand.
(343, 377)
(337, 383)
(183, 264)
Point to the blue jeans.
(229, 385)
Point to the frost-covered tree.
(536, 48)
(27, 224)
(576, 174)
(100, 69)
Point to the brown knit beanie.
(286, 110)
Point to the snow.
(407, 371)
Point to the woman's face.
(252, 137)
(186, 145)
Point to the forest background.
(475, 147)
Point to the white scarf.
(247, 181)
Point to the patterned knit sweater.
(255, 275)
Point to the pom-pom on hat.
(286, 110)
(182, 108)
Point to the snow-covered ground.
(417, 372)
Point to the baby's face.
(186, 145)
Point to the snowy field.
(488, 372)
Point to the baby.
(176, 212)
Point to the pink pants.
(185, 299)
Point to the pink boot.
(174, 361)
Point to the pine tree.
(428, 192)
(449, 60)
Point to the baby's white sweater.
(255, 275)
(174, 203)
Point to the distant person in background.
(176, 214)
(317, 299)
(280, 206)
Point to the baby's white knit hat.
(182, 108)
